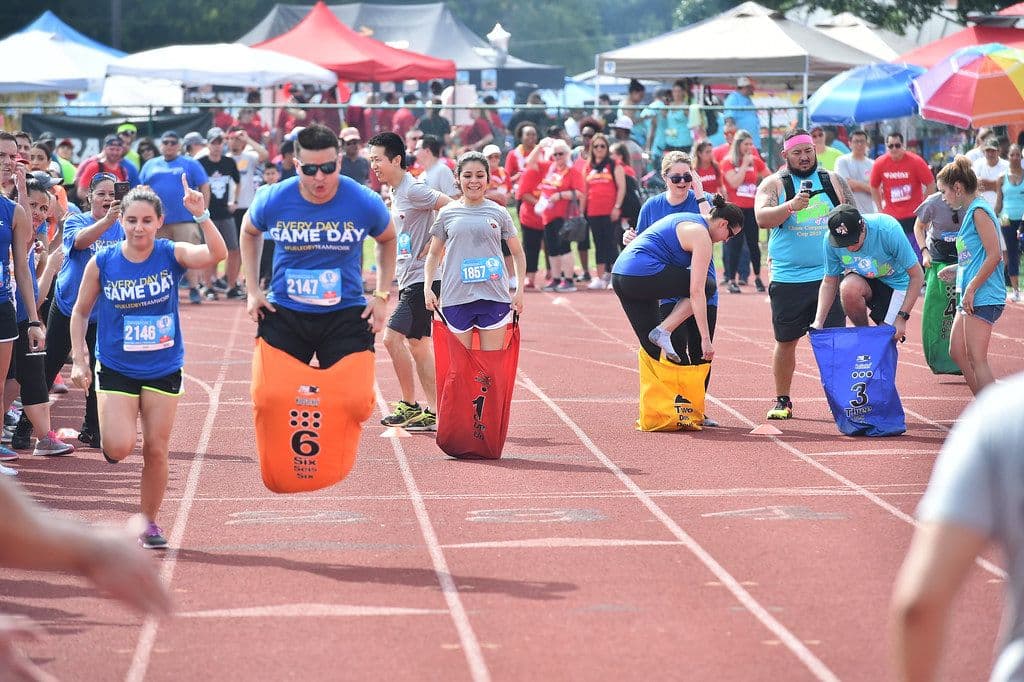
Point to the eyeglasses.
(894, 145)
(170, 143)
(599, 145)
(676, 179)
(310, 169)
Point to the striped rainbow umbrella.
(980, 85)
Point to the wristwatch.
(703, 198)
(382, 295)
(905, 316)
(202, 218)
(35, 323)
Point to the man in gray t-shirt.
(407, 337)
(855, 168)
(975, 497)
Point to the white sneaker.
(7, 471)
(597, 283)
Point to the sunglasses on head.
(310, 169)
(894, 145)
(676, 179)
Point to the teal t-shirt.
(795, 246)
(970, 253)
(885, 255)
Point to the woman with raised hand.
(743, 169)
(139, 346)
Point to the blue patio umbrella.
(866, 93)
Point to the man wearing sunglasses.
(318, 221)
(900, 180)
(794, 204)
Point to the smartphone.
(120, 189)
(806, 186)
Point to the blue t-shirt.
(19, 304)
(6, 237)
(317, 246)
(656, 247)
(138, 332)
(165, 178)
(1013, 199)
(885, 255)
(69, 278)
(746, 119)
(656, 208)
(795, 246)
(970, 253)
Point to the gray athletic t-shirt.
(473, 267)
(412, 210)
(945, 223)
(850, 168)
(441, 178)
(978, 482)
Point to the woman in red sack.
(474, 386)
(474, 284)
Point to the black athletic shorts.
(109, 381)
(411, 318)
(8, 322)
(881, 298)
(794, 306)
(330, 336)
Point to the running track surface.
(591, 551)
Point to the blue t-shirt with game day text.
(72, 268)
(317, 246)
(885, 255)
(138, 332)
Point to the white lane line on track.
(791, 641)
(467, 637)
(147, 637)
(859, 489)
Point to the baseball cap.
(743, 82)
(127, 128)
(45, 180)
(66, 142)
(170, 134)
(193, 138)
(623, 123)
(350, 133)
(113, 141)
(492, 149)
(844, 225)
(44, 136)
(991, 143)
(214, 133)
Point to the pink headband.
(794, 141)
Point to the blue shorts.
(988, 313)
(464, 317)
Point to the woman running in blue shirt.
(139, 347)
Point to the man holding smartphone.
(797, 221)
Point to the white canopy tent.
(747, 40)
(49, 63)
(852, 30)
(228, 64)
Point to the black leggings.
(751, 232)
(686, 337)
(604, 232)
(533, 240)
(58, 345)
(639, 296)
(554, 245)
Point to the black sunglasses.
(676, 179)
(894, 145)
(169, 141)
(310, 169)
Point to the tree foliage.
(566, 32)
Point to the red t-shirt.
(601, 189)
(529, 183)
(721, 151)
(499, 179)
(743, 196)
(91, 167)
(628, 170)
(223, 120)
(559, 181)
(710, 178)
(476, 132)
(901, 183)
(515, 163)
(404, 121)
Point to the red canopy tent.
(932, 53)
(1012, 10)
(322, 39)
